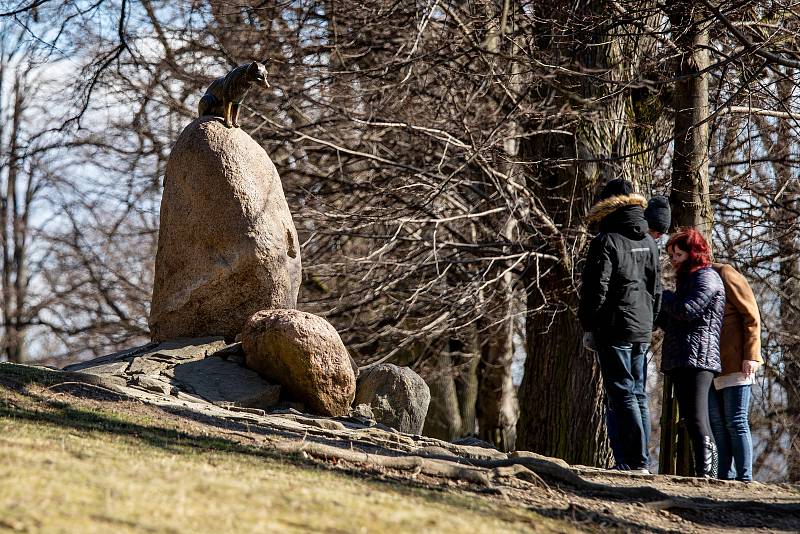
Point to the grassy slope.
(70, 465)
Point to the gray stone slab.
(124, 355)
(218, 380)
(107, 369)
(144, 365)
(152, 358)
(149, 383)
(189, 348)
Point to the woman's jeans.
(728, 412)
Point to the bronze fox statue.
(225, 94)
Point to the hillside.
(85, 454)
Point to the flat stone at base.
(218, 380)
(111, 368)
(151, 384)
(143, 365)
(124, 355)
(189, 348)
(169, 352)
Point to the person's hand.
(749, 368)
(588, 342)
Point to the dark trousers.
(624, 369)
(692, 387)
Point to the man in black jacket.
(620, 297)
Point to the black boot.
(706, 459)
(712, 458)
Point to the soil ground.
(83, 458)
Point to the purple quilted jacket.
(692, 320)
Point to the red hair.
(694, 244)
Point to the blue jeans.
(613, 431)
(613, 434)
(624, 369)
(728, 412)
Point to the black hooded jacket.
(621, 283)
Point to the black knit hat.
(658, 214)
(615, 188)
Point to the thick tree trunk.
(689, 199)
(784, 219)
(561, 408)
(561, 396)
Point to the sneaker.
(633, 470)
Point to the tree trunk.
(9, 218)
(444, 415)
(465, 358)
(790, 324)
(561, 396)
(561, 407)
(691, 205)
(785, 224)
(497, 407)
(689, 199)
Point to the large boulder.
(303, 353)
(227, 246)
(398, 396)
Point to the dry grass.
(70, 466)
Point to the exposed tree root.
(536, 470)
(438, 468)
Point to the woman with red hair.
(691, 317)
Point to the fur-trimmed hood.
(611, 204)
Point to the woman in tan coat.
(729, 399)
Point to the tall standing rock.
(227, 246)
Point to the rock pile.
(228, 264)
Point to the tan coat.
(741, 327)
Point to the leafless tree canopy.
(438, 157)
